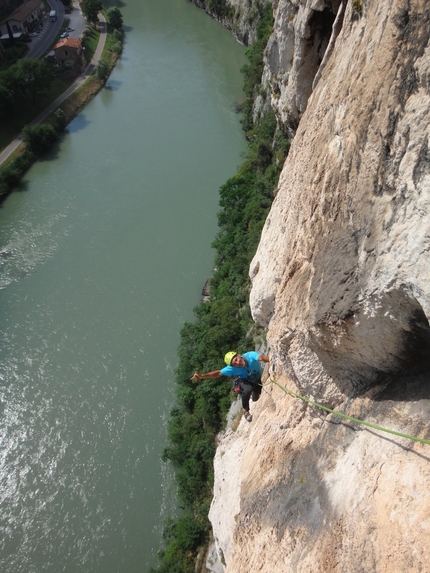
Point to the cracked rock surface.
(341, 281)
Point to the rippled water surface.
(103, 254)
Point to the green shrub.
(116, 48)
(222, 323)
(357, 6)
(115, 17)
(10, 177)
(253, 70)
(102, 69)
(60, 118)
(11, 174)
(218, 7)
(118, 35)
(39, 138)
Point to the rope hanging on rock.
(374, 426)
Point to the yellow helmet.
(229, 357)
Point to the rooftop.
(68, 42)
(24, 10)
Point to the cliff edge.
(341, 282)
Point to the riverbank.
(221, 323)
(16, 158)
(125, 200)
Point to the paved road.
(86, 73)
(45, 39)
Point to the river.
(104, 250)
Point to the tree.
(28, 78)
(91, 9)
(115, 17)
(102, 70)
(116, 48)
(118, 34)
(39, 138)
(60, 118)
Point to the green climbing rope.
(374, 426)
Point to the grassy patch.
(114, 40)
(110, 40)
(75, 103)
(90, 44)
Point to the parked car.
(33, 34)
(68, 29)
(64, 35)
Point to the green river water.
(103, 254)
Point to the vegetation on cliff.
(221, 324)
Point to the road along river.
(103, 254)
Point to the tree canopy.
(90, 9)
(115, 17)
(102, 69)
(39, 138)
(22, 83)
(223, 323)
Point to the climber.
(247, 367)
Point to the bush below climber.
(247, 367)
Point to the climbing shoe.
(248, 417)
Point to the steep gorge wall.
(340, 281)
(343, 262)
(295, 52)
(239, 16)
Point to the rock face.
(342, 271)
(297, 492)
(239, 16)
(341, 281)
(295, 51)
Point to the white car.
(64, 35)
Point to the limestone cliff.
(341, 281)
(303, 37)
(239, 16)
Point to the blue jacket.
(251, 371)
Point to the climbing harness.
(374, 426)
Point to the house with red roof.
(69, 49)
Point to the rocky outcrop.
(206, 291)
(239, 16)
(340, 281)
(302, 33)
(299, 492)
(342, 269)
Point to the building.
(69, 49)
(24, 19)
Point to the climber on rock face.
(247, 367)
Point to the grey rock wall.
(239, 16)
(342, 269)
(341, 282)
(302, 32)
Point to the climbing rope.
(374, 426)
